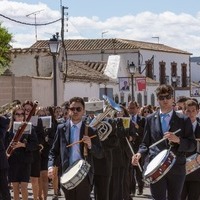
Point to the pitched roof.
(104, 44)
(86, 71)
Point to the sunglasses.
(146, 111)
(19, 114)
(78, 109)
(161, 98)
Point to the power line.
(30, 24)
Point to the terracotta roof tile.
(109, 44)
(85, 71)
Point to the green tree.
(5, 39)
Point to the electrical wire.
(29, 24)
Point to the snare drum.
(192, 163)
(75, 174)
(159, 166)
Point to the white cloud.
(177, 30)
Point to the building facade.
(88, 70)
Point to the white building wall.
(195, 70)
(75, 88)
(24, 64)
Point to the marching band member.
(162, 124)
(44, 152)
(21, 158)
(120, 180)
(191, 186)
(71, 131)
(4, 189)
(103, 166)
(36, 162)
(138, 122)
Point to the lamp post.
(54, 46)
(132, 70)
(174, 79)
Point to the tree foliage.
(5, 39)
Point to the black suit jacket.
(62, 139)
(194, 176)
(139, 132)
(153, 133)
(4, 122)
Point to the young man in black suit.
(191, 188)
(138, 122)
(170, 185)
(4, 189)
(65, 136)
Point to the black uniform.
(103, 166)
(4, 189)
(191, 188)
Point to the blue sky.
(109, 8)
(175, 22)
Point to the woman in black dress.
(20, 159)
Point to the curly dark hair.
(164, 89)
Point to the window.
(106, 91)
(139, 99)
(162, 72)
(85, 99)
(152, 99)
(149, 69)
(184, 75)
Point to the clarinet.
(20, 130)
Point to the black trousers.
(137, 178)
(191, 190)
(116, 183)
(101, 187)
(4, 189)
(80, 192)
(170, 186)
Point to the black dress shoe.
(140, 192)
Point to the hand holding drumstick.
(135, 159)
(85, 139)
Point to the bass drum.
(75, 174)
(159, 166)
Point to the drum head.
(156, 162)
(71, 171)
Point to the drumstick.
(79, 141)
(140, 168)
(163, 139)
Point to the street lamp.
(132, 70)
(54, 46)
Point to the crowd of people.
(114, 166)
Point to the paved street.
(146, 195)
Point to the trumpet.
(7, 108)
(104, 128)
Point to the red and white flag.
(140, 84)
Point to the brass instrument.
(20, 131)
(7, 108)
(104, 128)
